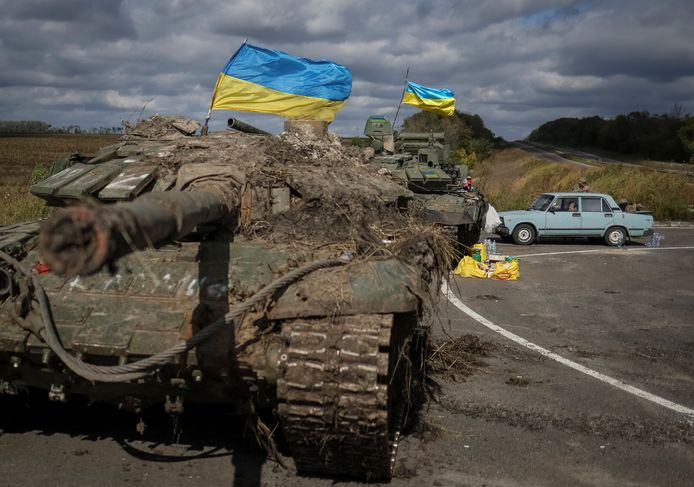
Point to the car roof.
(576, 193)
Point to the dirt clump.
(160, 127)
(518, 380)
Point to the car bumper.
(502, 230)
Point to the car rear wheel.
(615, 236)
(524, 234)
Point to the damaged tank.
(422, 161)
(238, 268)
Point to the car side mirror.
(551, 210)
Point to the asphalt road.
(521, 419)
(569, 156)
(548, 155)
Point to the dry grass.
(511, 179)
(457, 358)
(25, 159)
(18, 205)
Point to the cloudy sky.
(517, 63)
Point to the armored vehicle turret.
(422, 161)
(235, 268)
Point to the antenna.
(407, 73)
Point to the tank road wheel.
(523, 234)
(340, 400)
(615, 236)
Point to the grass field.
(23, 158)
(512, 179)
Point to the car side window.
(565, 204)
(605, 207)
(593, 205)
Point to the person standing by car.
(582, 185)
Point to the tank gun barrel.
(421, 135)
(414, 145)
(236, 124)
(81, 240)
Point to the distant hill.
(666, 137)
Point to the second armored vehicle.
(422, 161)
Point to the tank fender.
(383, 286)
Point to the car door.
(563, 217)
(596, 216)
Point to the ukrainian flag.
(266, 81)
(430, 99)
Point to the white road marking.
(450, 295)
(614, 250)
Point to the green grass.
(18, 205)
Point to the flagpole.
(407, 73)
(204, 129)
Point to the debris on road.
(457, 358)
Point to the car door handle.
(575, 214)
(608, 215)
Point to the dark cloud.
(86, 20)
(517, 63)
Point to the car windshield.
(542, 202)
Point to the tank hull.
(330, 373)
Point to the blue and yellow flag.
(430, 99)
(266, 81)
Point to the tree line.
(466, 133)
(664, 137)
(27, 127)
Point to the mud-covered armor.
(230, 268)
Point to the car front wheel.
(524, 234)
(615, 236)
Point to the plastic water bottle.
(655, 240)
(493, 247)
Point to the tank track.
(340, 401)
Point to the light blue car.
(574, 215)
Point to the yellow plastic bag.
(483, 250)
(506, 271)
(469, 267)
